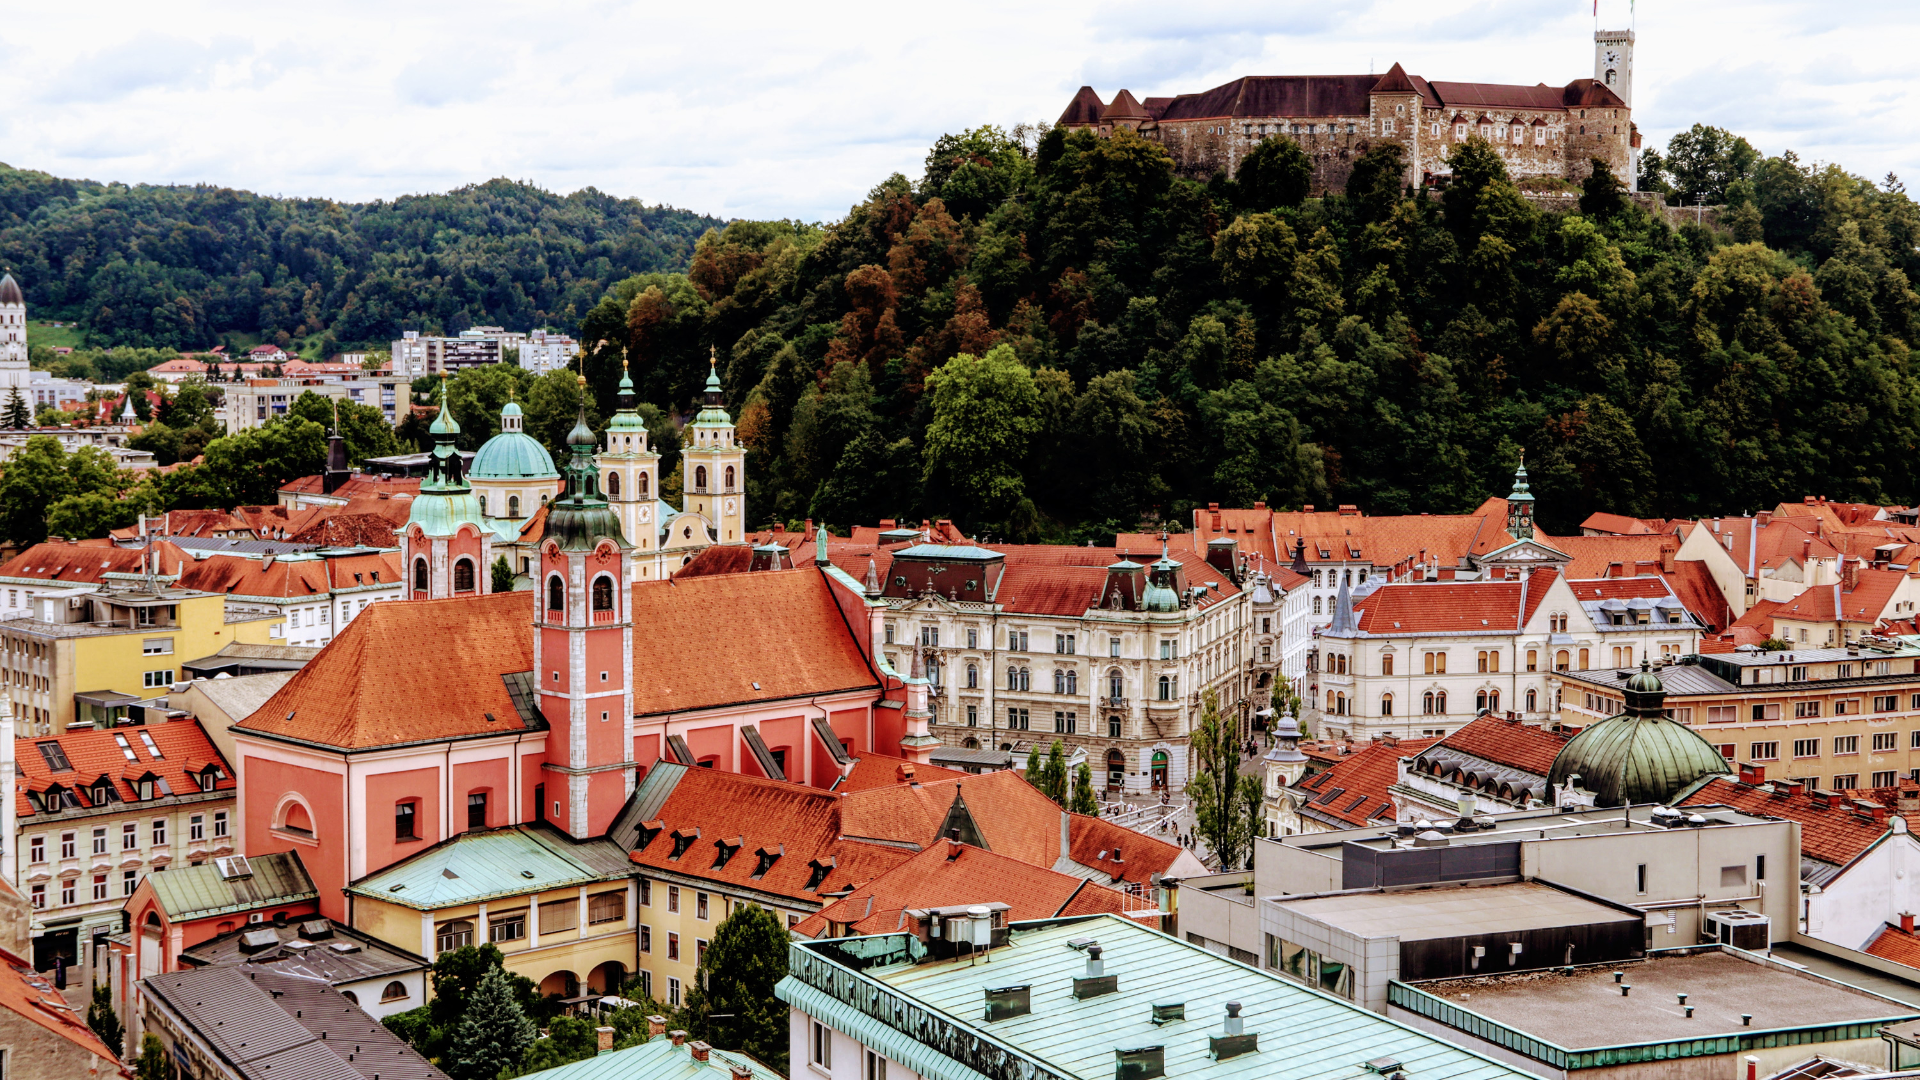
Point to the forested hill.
(178, 267)
(1149, 343)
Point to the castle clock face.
(730, 507)
(1613, 58)
(646, 514)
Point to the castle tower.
(583, 649)
(1613, 62)
(715, 467)
(446, 547)
(632, 472)
(1520, 504)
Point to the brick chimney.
(603, 1039)
(656, 1025)
(679, 1037)
(1906, 922)
(1752, 774)
(699, 1050)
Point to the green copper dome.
(1639, 756)
(580, 518)
(446, 501)
(1160, 594)
(512, 455)
(713, 411)
(626, 419)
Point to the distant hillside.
(186, 267)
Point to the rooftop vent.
(254, 941)
(1139, 1063)
(233, 867)
(1236, 1040)
(1384, 1065)
(1166, 1012)
(316, 929)
(1004, 1002)
(1096, 981)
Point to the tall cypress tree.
(731, 1005)
(18, 415)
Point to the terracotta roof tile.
(871, 770)
(1867, 601)
(1430, 607)
(184, 749)
(1362, 779)
(1833, 834)
(1506, 742)
(1897, 945)
(948, 874)
(30, 995)
(87, 564)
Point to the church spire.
(447, 471)
(1520, 504)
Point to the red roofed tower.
(583, 649)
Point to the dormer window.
(819, 874)
(724, 851)
(648, 830)
(682, 841)
(102, 794)
(767, 857)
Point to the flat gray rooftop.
(1585, 1010)
(1545, 824)
(1459, 911)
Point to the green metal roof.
(657, 1059)
(1638, 756)
(198, 892)
(478, 866)
(939, 1009)
(512, 455)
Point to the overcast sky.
(796, 110)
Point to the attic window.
(724, 851)
(767, 858)
(56, 757)
(648, 830)
(682, 841)
(819, 874)
(102, 794)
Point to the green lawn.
(44, 333)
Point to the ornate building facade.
(1540, 130)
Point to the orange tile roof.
(950, 873)
(184, 749)
(1867, 601)
(29, 994)
(1622, 525)
(1383, 541)
(347, 695)
(1897, 945)
(1595, 556)
(872, 770)
(1508, 742)
(1835, 833)
(1438, 607)
(1354, 791)
(356, 487)
(779, 629)
(87, 564)
(800, 825)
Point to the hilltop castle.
(1541, 131)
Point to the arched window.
(699, 478)
(1493, 701)
(1560, 660)
(1116, 686)
(1386, 704)
(1316, 605)
(350, 996)
(1426, 703)
(1533, 700)
(729, 478)
(973, 677)
(420, 575)
(644, 484)
(613, 485)
(1059, 681)
(513, 506)
(1329, 701)
(603, 593)
(1166, 688)
(556, 594)
(463, 576)
(483, 504)
(1013, 678)
(1073, 682)
(1480, 702)
(1026, 679)
(395, 991)
(1440, 703)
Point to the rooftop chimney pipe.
(1236, 1025)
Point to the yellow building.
(562, 911)
(84, 654)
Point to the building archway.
(1159, 770)
(606, 978)
(1116, 770)
(563, 983)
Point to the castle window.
(603, 593)
(420, 575)
(729, 484)
(463, 576)
(700, 478)
(613, 485)
(1460, 132)
(556, 594)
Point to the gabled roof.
(291, 579)
(1866, 601)
(1354, 791)
(1277, 95)
(69, 564)
(1895, 944)
(1439, 607)
(1508, 742)
(345, 697)
(266, 1024)
(950, 873)
(1124, 106)
(30, 995)
(476, 866)
(871, 770)
(1395, 81)
(1836, 833)
(184, 749)
(204, 891)
(1622, 525)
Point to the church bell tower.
(715, 466)
(1613, 62)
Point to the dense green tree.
(154, 1063)
(39, 476)
(363, 427)
(983, 414)
(731, 1005)
(18, 415)
(1276, 175)
(248, 468)
(93, 514)
(493, 1033)
(104, 1021)
(1084, 801)
(501, 575)
(1701, 161)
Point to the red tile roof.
(871, 770)
(1897, 945)
(447, 654)
(29, 994)
(1354, 790)
(289, 579)
(800, 825)
(184, 749)
(1866, 601)
(779, 629)
(357, 487)
(1835, 833)
(87, 564)
(949, 874)
(1508, 742)
(1270, 536)
(1622, 525)
(1439, 607)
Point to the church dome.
(10, 291)
(512, 454)
(1639, 756)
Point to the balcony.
(603, 616)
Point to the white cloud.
(775, 109)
